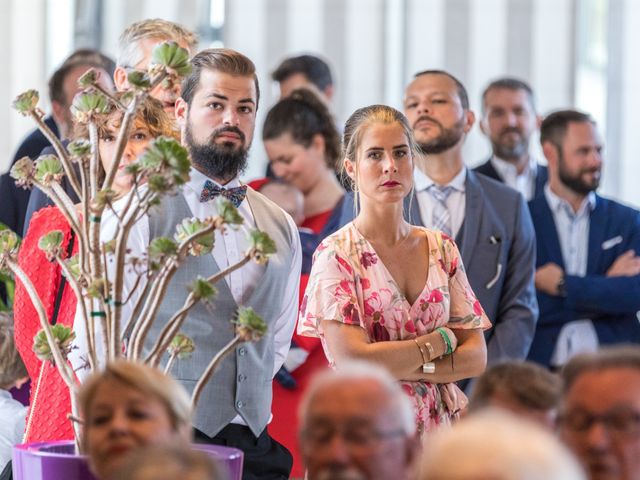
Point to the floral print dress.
(349, 284)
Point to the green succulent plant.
(165, 158)
(23, 172)
(172, 56)
(139, 80)
(63, 336)
(202, 289)
(228, 212)
(250, 326)
(26, 102)
(51, 244)
(48, 169)
(87, 105)
(262, 244)
(80, 147)
(182, 346)
(191, 226)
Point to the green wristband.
(446, 340)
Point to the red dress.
(284, 426)
(50, 401)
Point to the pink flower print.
(344, 289)
(409, 326)
(435, 296)
(453, 267)
(380, 333)
(321, 247)
(367, 259)
(477, 308)
(344, 264)
(350, 314)
(365, 283)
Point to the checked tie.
(234, 195)
(441, 215)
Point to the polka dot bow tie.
(234, 195)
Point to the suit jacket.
(542, 175)
(12, 198)
(497, 243)
(610, 302)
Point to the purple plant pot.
(58, 461)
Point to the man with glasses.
(600, 414)
(357, 423)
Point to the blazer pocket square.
(612, 242)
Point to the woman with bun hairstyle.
(303, 146)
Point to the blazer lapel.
(472, 215)
(412, 209)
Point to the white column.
(305, 25)
(425, 36)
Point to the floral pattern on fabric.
(349, 284)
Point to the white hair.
(496, 444)
(355, 371)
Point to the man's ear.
(181, 111)
(120, 79)
(550, 152)
(470, 119)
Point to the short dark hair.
(303, 115)
(619, 356)
(222, 60)
(554, 127)
(527, 383)
(83, 57)
(509, 83)
(12, 368)
(312, 67)
(462, 92)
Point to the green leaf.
(202, 290)
(228, 212)
(191, 226)
(26, 102)
(63, 337)
(51, 244)
(87, 105)
(23, 172)
(173, 56)
(49, 169)
(182, 346)
(139, 80)
(79, 147)
(262, 245)
(249, 325)
(165, 158)
(73, 264)
(88, 79)
(9, 242)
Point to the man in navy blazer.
(509, 120)
(491, 224)
(588, 273)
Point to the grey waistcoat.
(242, 383)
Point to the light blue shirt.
(455, 201)
(12, 420)
(524, 182)
(577, 336)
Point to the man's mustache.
(428, 118)
(227, 129)
(511, 130)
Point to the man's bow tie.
(234, 195)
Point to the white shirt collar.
(423, 182)
(503, 167)
(557, 203)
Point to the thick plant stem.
(211, 368)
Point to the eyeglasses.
(356, 436)
(621, 421)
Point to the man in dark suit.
(489, 220)
(509, 120)
(63, 86)
(588, 273)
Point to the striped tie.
(441, 218)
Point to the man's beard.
(513, 151)
(575, 182)
(447, 139)
(218, 161)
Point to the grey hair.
(607, 358)
(500, 446)
(356, 371)
(129, 52)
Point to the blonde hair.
(12, 368)
(147, 380)
(130, 53)
(354, 130)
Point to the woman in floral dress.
(385, 291)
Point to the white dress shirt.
(229, 249)
(524, 182)
(455, 201)
(577, 336)
(12, 420)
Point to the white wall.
(374, 46)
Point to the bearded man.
(216, 113)
(489, 221)
(588, 271)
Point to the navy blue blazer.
(610, 302)
(542, 175)
(497, 244)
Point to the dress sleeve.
(331, 293)
(465, 309)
